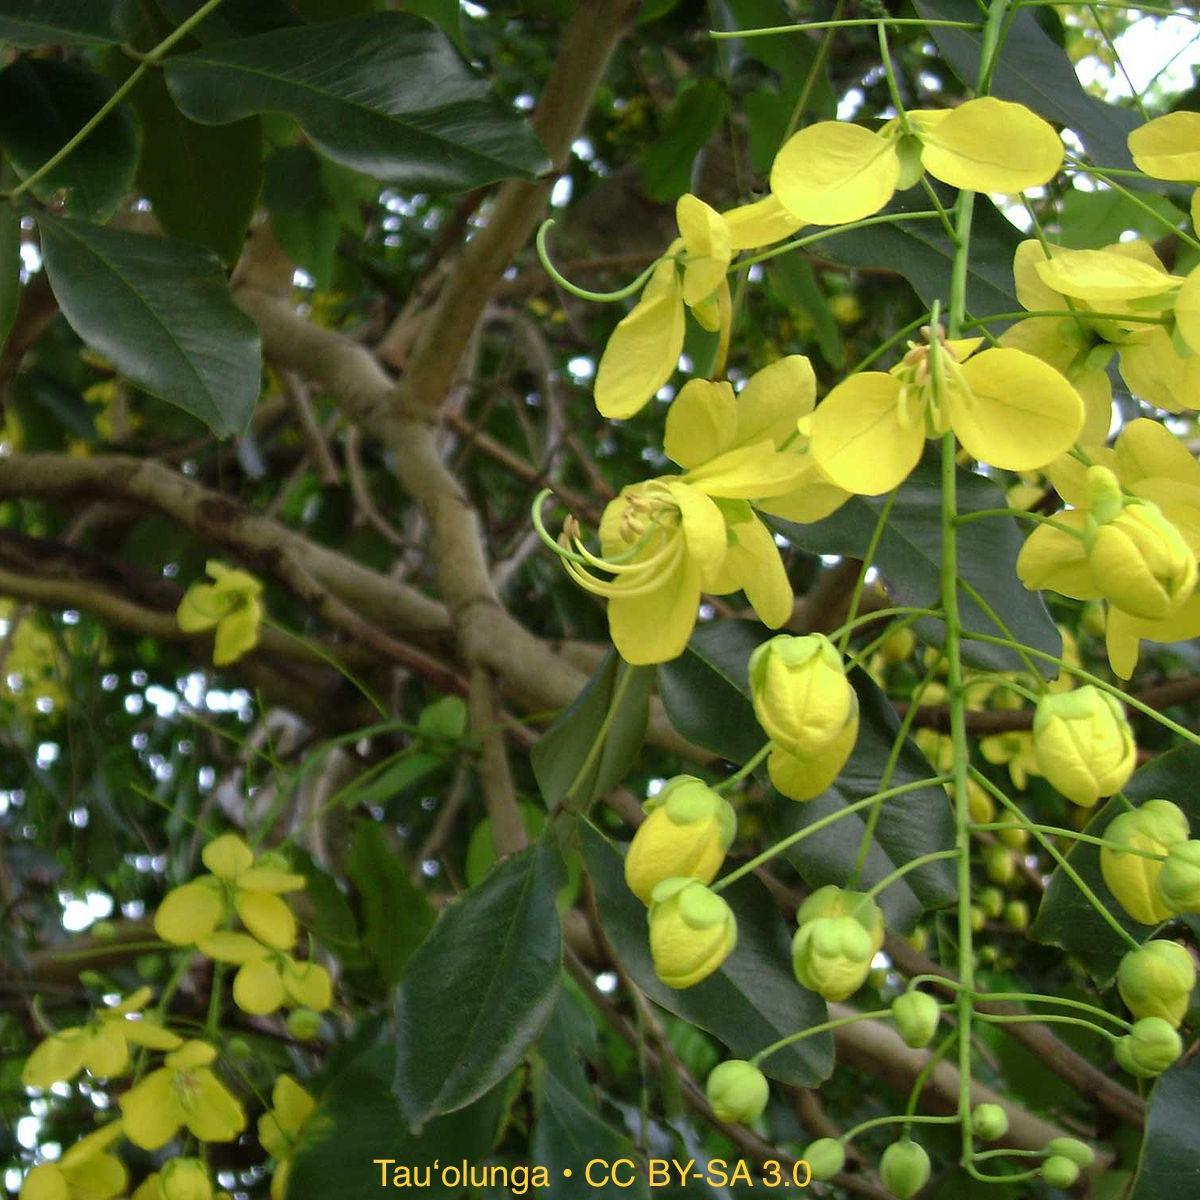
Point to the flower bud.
(897, 647)
(834, 901)
(692, 931)
(1141, 561)
(1059, 1171)
(803, 776)
(832, 956)
(1178, 882)
(185, 1179)
(989, 1121)
(1083, 743)
(1150, 1049)
(991, 900)
(998, 863)
(686, 832)
(980, 803)
(303, 1024)
(916, 1015)
(1016, 915)
(904, 1169)
(1078, 1152)
(1155, 827)
(825, 1157)
(1157, 981)
(737, 1091)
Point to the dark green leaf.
(161, 312)
(359, 1120)
(922, 253)
(235, 18)
(666, 164)
(565, 749)
(10, 268)
(768, 115)
(790, 57)
(43, 104)
(66, 22)
(1170, 1163)
(1033, 70)
(706, 689)
(1065, 918)
(302, 212)
(444, 720)
(751, 1001)
(331, 921)
(202, 181)
(910, 559)
(1091, 220)
(445, 14)
(480, 988)
(908, 826)
(797, 284)
(396, 915)
(385, 94)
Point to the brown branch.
(495, 775)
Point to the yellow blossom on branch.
(230, 605)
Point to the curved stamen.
(616, 589)
(619, 566)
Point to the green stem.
(1043, 1019)
(333, 662)
(879, 615)
(975, 322)
(1062, 1001)
(885, 346)
(1018, 514)
(736, 778)
(1059, 831)
(833, 231)
(939, 1052)
(213, 1020)
(861, 580)
(995, 618)
(911, 865)
(625, 673)
(89, 127)
(814, 71)
(899, 1118)
(768, 30)
(1135, 200)
(813, 1030)
(630, 289)
(800, 834)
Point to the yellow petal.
(858, 438)
(1157, 373)
(1187, 311)
(106, 1054)
(813, 498)
(292, 1104)
(46, 1182)
(1168, 147)
(1123, 633)
(201, 608)
(1033, 294)
(1102, 276)
(774, 399)
(1054, 560)
(237, 633)
(268, 879)
(92, 1144)
(754, 557)
(1146, 449)
(654, 626)
(747, 473)
(98, 1178)
(707, 245)
(267, 917)
(1016, 412)
(58, 1059)
(762, 223)
(833, 172)
(308, 984)
(991, 145)
(193, 1053)
(644, 349)
(188, 912)
(701, 423)
(703, 525)
(213, 1115)
(150, 1111)
(804, 777)
(257, 987)
(227, 856)
(232, 947)
(149, 1033)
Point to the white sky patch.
(1145, 49)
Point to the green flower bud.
(1150, 1049)
(1141, 561)
(839, 932)
(185, 1179)
(1133, 879)
(1059, 1171)
(1016, 915)
(1078, 1152)
(808, 709)
(898, 647)
(303, 1024)
(1105, 499)
(92, 979)
(918, 939)
(686, 832)
(904, 1169)
(916, 1015)
(104, 931)
(1083, 743)
(999, 864)
(1014, 835)
(737, 1091)
(834, 901)
(1179, 880)
(989, 1121)
(238, 1047)
(1157, 981)
(991, 900)
(692, 931)
(825, 1157)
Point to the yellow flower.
(1132, 878)
(1084, 745)
(85, 1171)
(1005, 407)
(687, 830)
(183, 1092)
(180, 1179)
(1015, 749)
(267, 977)
(692, 932)
(236, 883)
(831, 173)
(281, 1129)
(102, 1045)
(231, 605)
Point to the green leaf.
(1169, 1168)
(1064, 917)
(358, 1120)
(666, 164)
(480, 988)
(385, 94)
(908, 826)
(1091, 220)
(67, 22)
(921, 252)
(396, 915)
(302, 212)
(445, 14)
(1033, 70)
(43, 104)
(706, 690)
(789, 56)
(751, 1001)
(161, 312)
(234, 19)
(767, 117)
(10, 268)
(332, 921)
(910, 559)
(565, 749)
(796, 283)
(202, 181)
